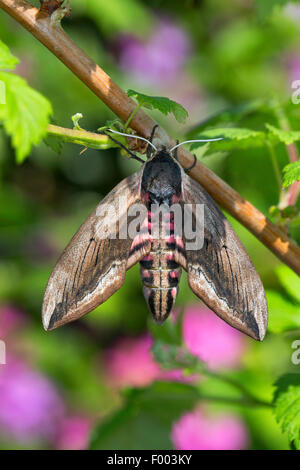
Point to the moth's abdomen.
(159, 271)
(160, 275)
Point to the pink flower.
(159, 58)
(10, 319)
(211, 339)
(196, 431)
(30, 406)
(73, 433)
(130, 363)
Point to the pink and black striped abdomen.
(160, 273)
(161, 188)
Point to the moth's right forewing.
(93, 265)
(221, 272)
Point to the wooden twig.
(54, 38)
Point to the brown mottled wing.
(92, 266)
(221, 272)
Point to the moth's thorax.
(161, 181)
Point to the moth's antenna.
(133, 136)
(191, 141)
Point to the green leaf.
(25, 115)
(230, 115)
(145, 420)
(287, 406)
(291, 173)
(7, 60)
(290, 281)
(234, 138)
(162, 104)
(286, 137)
(284, 315)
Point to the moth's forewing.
(93, 265)
(221, 272)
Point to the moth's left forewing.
(92, 267)
(221, 272)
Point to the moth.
(93, 265)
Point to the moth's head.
(162, 178)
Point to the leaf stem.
(243, 401)
(275, 167)
(131, 116)
(80, 137)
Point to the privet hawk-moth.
(93, 265)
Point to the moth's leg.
(192, 166)
(176, 151)
(132, 155)
(149, 148)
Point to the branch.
(53, 37)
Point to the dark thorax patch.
(161, 179)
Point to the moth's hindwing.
(221, 272)
(93, 265)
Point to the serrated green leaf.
(7, 60)
(161, 103)
(284, 315)
(234, 138)
(230, 115)
(145, 420)
(290, 281)
(25, 115)
(287, 406)
(291, 173)
(286, 137)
